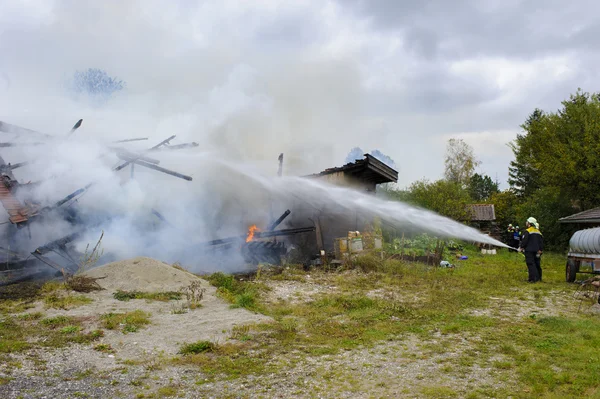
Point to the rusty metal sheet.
(17, 212)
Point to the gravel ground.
(393, 369)
(404, 367)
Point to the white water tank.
(586, 241)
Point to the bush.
(367, 263)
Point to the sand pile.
(142, 274)
(169, 328)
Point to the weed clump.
(366, 263)
(197, 347)
(104, 348)
(65, 302)
(81, 283)
(194, 294)
(126, 322)
(70, 329)
(30, 316)
(239, 294)
(168, 391)
(153, 296)
(13, 336)
(77, 281)
(58, 321)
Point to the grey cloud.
(519, 29)
(304, 98)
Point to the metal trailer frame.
(575, 261)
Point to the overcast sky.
(309, 78)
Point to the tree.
(523, 171)
(354, 154)
(481, 187)
(559, 151)
(547, 205)
(460, 162)
(445, 197)
(391, 193)
(568, 152)
(505, 207)
(96, 83)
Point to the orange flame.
(251, 230)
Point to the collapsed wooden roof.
(369, 169)
(482, 212)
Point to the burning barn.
(21, 256)
(363, 174)
(41, 233)
(311, 230)
(333, 223)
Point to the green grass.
(68, 301)
(153, 296)
(126, 322)
(19, 334)
(544, 356)
(30, 316)
(229, 360)
(528, 339)
(70, 329)
(105, 348)
(167, 391)
(197, 347)
(57, 321)
(239, 294)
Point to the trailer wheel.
(571, 271)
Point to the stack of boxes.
(356, 243)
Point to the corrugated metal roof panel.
(17, 212)
(589, 216)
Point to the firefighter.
(516, 237)
(510, 230)
(532, 244)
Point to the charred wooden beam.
(263, 234)
(256, 252)
(75, 127)
(9, 128)
(161, 217)
(180, 146)
(128, 156)
(17, 165)
(129, 140)
(71, 196)
(3, 145)
(280, 170)
(279, 220)
(47, 261)
(56, 244)
(160, 169)
(66, 199)
(166, 141)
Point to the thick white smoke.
(217, 74)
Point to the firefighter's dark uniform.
(532, 242)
